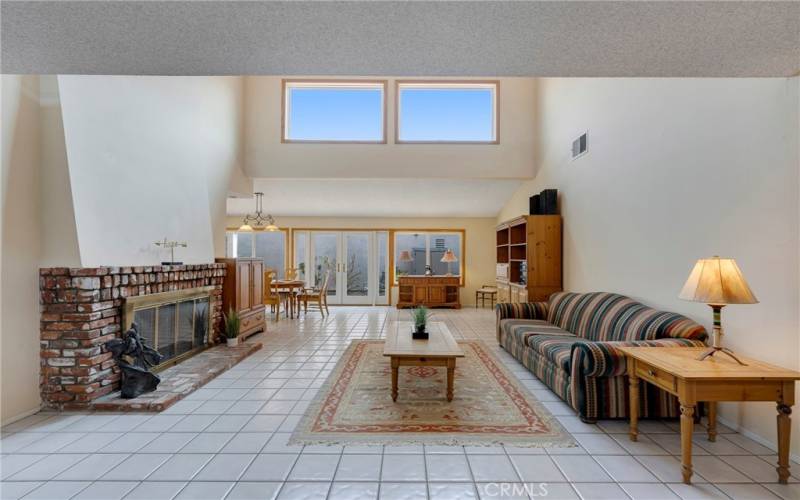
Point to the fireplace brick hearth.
(82, 309)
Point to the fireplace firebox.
(175, 323)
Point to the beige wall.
(679, 169)
(266, 156)
(19, 273)
(479, 239)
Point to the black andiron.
(135, 359)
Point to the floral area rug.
(490, 406)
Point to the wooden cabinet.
(531, 246)
(503, 292)
(430, 291)
(243, 291)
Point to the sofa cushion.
(555, 348)
(520, 329)
(603, 316)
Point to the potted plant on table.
(420, 316)
(232, 325)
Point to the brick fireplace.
(82, 308)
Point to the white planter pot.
(233, 342)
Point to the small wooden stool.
(483, 292)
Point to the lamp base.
(713, 350)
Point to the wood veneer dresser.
(429, 291)
(243, 291)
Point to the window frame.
(287, 247)
(446, 84)
(462, 268)
(333, 83)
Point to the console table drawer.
(657, 377)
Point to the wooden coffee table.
(440, 349)
(678, 371)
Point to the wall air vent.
(580, 146)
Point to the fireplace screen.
(174, 323)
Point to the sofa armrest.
(603, 359)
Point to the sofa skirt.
(593, 397)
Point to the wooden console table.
(678, 371)
(429, 291)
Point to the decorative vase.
(233, 342)
(419, 333)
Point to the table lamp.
(405, 256)
(717, 282)
(449, 257)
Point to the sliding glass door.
(355, 268)
(356, 260)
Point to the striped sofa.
(570, 343)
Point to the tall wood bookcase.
(534, 240)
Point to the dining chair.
(271, 296)
(317, 296)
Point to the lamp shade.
(246, 228)
(717, 281)
(449, 256)
(405, 256)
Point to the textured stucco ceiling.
(525, 38)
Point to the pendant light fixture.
(259, 218)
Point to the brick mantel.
(82, 309)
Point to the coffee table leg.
(395, 369)
(451, 369)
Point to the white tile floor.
(228, 440)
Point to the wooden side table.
(677, 371)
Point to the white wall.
(150, 157)
(679, 169)
(19, 271)
(266, 156)
(59, 232)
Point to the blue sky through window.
(446, 114)
(335, 114)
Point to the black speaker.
(549, 202)
(534, 205)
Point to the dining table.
(289, 287)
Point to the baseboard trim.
(22, 415)
(755, 437)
